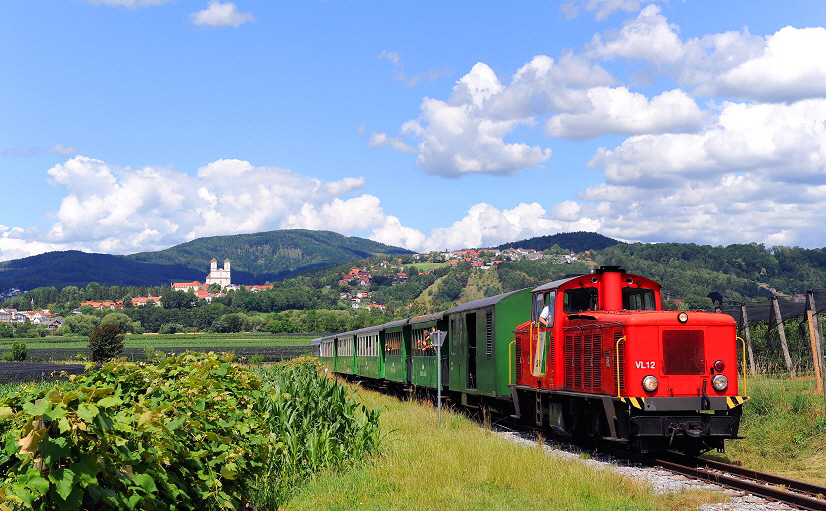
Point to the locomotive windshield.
(638, 299)
(581, 299)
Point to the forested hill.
(256, 259)
(579, 241)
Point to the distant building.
(218, 276)
(146, 300)
(186, 286)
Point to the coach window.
(580, 299)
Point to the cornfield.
(316, 424)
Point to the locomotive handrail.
(745, 386)
(616, 356)
(512, 361)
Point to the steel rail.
(795, 493)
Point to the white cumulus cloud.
(219, 14)
(616, 110)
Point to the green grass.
(784, 425)
(424, 267)
(162, 341)
(457, 466)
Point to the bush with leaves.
(184, 434)
(105, 342)
(19, 352)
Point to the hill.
(579, 241)
(256, 259)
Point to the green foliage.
(784, 428)
(300, 401)
(81, 324)
(577, 241)
(105, 342)
(6, 331)
(120, 319)
(171, 328)
(18, 352)
(183, 434)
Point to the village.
(353, 285)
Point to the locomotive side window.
(543, 308)
(580, 299)
(637, 299)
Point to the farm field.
(455, 465)
(271, 347)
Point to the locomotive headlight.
(682, 317)
(719, 382)
(650, 383)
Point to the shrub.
(171, 328)
(105, 342)
(184, 434)
(19, 352)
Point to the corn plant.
(318, 425)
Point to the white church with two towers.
(218, 276)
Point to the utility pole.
(817, 337)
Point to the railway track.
(798, 494)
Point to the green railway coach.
(423, 368)
(370, 352)
(325, 349)
(345, 353)
(479, 342)
(396, 351)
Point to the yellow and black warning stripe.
(733, 401)
(636, 402)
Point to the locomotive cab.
(600, 357)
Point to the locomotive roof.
(555, 284)
(482, 302)
(315, 341)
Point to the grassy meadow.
(457, 466)
(784, 425)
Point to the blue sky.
(134, 125)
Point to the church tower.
(219, 276)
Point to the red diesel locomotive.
(600, 358)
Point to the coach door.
(456, 338)
(470, 330)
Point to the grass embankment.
(455, 465)
(784, 425)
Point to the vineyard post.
(813, 340)
(747, 333)
(814, 325)
(781, 330)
